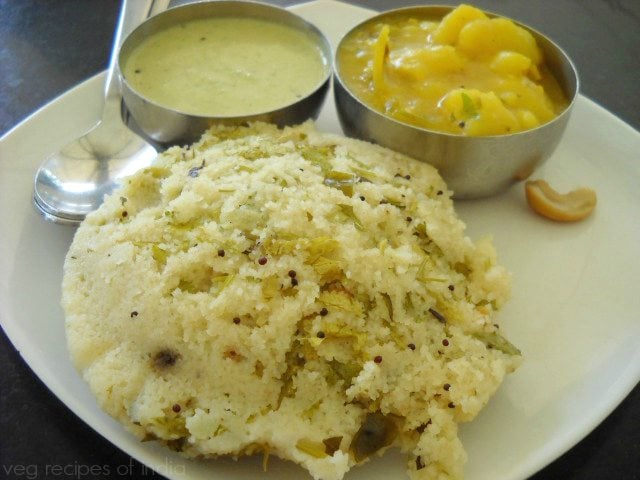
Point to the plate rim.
(625, 383)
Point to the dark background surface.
(48, 46)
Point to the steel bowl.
(473, 167)
(165, 126)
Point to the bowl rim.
(319, 39)
(448, 8)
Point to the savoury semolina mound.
(290, 292)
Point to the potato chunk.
(480, 113)
(485, 38)
(420, 63)
(449, 29)
(510, 63)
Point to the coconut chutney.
(226, 66)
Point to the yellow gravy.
(466, 74)
(226, 66)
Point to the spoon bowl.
(72, 182)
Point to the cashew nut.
(569, 207)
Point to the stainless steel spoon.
(73, 182)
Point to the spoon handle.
(132, 13)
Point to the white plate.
(574, 311)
